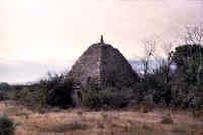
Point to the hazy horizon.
(41, 35)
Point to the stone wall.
(105, 65)
(115, 69)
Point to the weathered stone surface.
(103, 65)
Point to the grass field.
(84, 122)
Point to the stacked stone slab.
(104, 66)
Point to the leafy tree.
(189, 61)
(4, 86)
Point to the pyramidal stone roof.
(104, 66)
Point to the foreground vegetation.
(82, 121)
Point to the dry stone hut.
(102, 65)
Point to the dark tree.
(189, 61)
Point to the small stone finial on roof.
(102, 40)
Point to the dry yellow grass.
(81, 122)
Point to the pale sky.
(41, 35)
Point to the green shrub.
(61, 94)
(105, 99)
(55, 90)
(6, 126)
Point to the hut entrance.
(77, 94)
